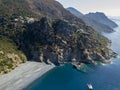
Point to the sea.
(102, 76)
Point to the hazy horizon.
(109, 7)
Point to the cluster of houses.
(24, 19)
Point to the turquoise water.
(102, 77)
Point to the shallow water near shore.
(102, 77)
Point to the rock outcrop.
(59, 41)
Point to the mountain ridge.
(102, 18)
(93, 21)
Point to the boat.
(90, 86)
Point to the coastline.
(23, 75)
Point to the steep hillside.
(49, 8)
(10, 56)
(99, 26)
(32, 8)
(60, 41)
(45, 31)
(14, 7)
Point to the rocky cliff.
(46, 32)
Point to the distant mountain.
(102, 18)
(100, 27)
(93, 22)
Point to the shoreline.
(23, 75)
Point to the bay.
(102, 77)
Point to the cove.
(102, 77)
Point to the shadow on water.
(86, 68)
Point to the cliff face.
(47, 32)
(59, 41)
(96, 20)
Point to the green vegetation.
(15, 7)
(54, 36)
(10, 56)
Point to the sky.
(109, 7)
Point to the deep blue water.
(102, 77)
